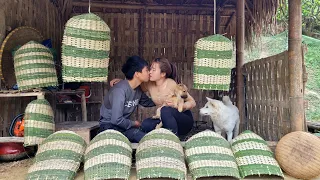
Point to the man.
(123, 98)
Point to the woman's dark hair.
(132, 65)
(168, 68)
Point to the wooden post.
(240, 61)
(295, 66)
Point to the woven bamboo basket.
(209, 155)
(253, 156)
(85, 49)
(39, 122)
(58, 157)
(17, 37)
(213, 63)
(108, 156)
(160, 155)
(34, 66)
(298, 154)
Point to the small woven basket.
(209, 155)
(298, 154)
(108, 156)
(213, 63)
(253, 156)
(39, 122)
(17, 37)
(34, 66)
(58, 157)
(85, 49)
(160, 155)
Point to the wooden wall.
(42, 15)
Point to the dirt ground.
(17, 170)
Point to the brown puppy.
(177, 97)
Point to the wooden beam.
(295, 67)
(250, 12)
(240, 42)
(229, 21)
(11, 139)
(149, 6)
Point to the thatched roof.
(260, 14)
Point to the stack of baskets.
(58, 157)
(85, 49)
(213, 63)
(34, 66)
(108, 156)
(160, 155)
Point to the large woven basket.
(253, 156)
(34, 66)
(109, 156)
(209, 154)
(213, 63)
(58, 157)
(298, 154)
(17, 37)
(39, 122)
(85, 49)
(160, 155)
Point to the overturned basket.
(254, 157)
(85, 49)
(160, 155)
(58, 157)
(209, 155)
(17, 37)
(108, 156)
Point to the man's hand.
(114, 81)
(137, 124)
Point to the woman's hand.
(171, 104)
(114, 81)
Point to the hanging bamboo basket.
(213, 63)
(85, 49)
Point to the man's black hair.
(132, 65)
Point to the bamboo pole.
(295, 67)
(240, 61)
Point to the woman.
(163, 79)
(123, 98)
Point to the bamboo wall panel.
(45, 17)
(267, 96)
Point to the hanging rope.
(89, 6)
(214, 17)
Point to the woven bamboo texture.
(208, 155)
(160, 155)
(34, 67)
(298, 154)
(39, 122)
(85, 49)
(17, 37)
(213, 63)
(108, 156)
(267, 97)
(253, 156)
(46, 18)
(58, 157)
